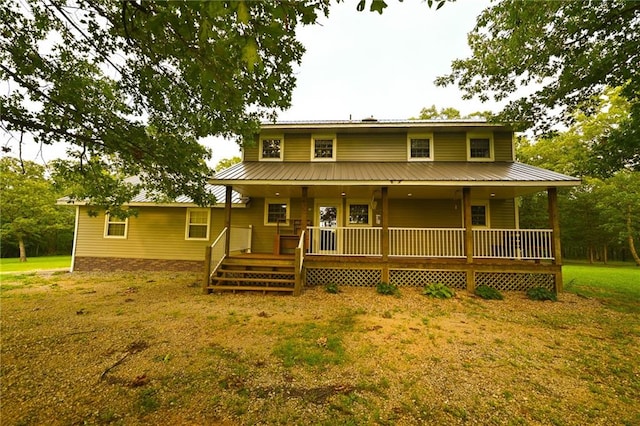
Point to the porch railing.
(513, 243)
(218, 252)
(426, 242)
(431, 242)
(345, 241)
(241, 238)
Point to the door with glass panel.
(327, 240)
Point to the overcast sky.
(362, 64)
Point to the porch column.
(554, 223)
(468, 238)
(227, 219)
(303, 214)
(385, 234)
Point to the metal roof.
(384, 173)
(372, 123)
(144, 198)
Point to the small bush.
(387, 289)
(332, 288)
(439, 291)
(488, 293)
(541, 293)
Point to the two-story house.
(348, 203)
(405, 202)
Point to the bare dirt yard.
(152, 349)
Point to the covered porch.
(327, 243)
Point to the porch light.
(409, 195)
(277, 194)
(493, 194)
(343, 194)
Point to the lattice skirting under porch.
(503, 281)
(421, 277)
(515, 281)
(343, 276)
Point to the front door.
(328, 219)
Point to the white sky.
(362, 64)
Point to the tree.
(566, 51)
(27, 204)
(133, 85)
(226, 163)
(450, 113)
(619, 201)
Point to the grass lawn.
(34, 263)
(150, 348)
(616, 286)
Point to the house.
(348, 203)
(405, 202)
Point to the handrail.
(218, 252)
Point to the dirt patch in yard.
(151, 349)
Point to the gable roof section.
(385, 173)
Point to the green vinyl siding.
(372, 147)
(155, 233)
(503, 146)
(450, 146)
(425, 213)
(297, 147)
(502, 214)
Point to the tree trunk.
(632, 247)
(605, 254)
(23, 251)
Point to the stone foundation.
(113, 264)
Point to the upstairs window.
(420, 147)
(276, 211)
(197, 227)
(479, 147)
(271, 148)
(115, 227)
(323, 148)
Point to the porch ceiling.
(404, 180)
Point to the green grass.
(34, 263)
(616, 286)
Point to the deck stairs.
(256, 273)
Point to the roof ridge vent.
(369, 120)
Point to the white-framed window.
(480, 146)
(480, 214)
(276, 211)
(271, 147)
(115, 227)
(359, 213)
(323, 147)
(197, 224)
(420, 146)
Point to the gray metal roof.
(409, 173)
(369, 123)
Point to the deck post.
(227, 219)
(385, 234)
(468, 239)
(554, 223)
(297, 289)
(207, 270)
(304, 218)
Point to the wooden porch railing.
(431, 242)
(299, 265)
(426, 242)
(513, 243)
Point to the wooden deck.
(254, 272)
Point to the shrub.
(488, 293)
(541, 293)
(387, 288)
(332, 288)
(439, 291)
